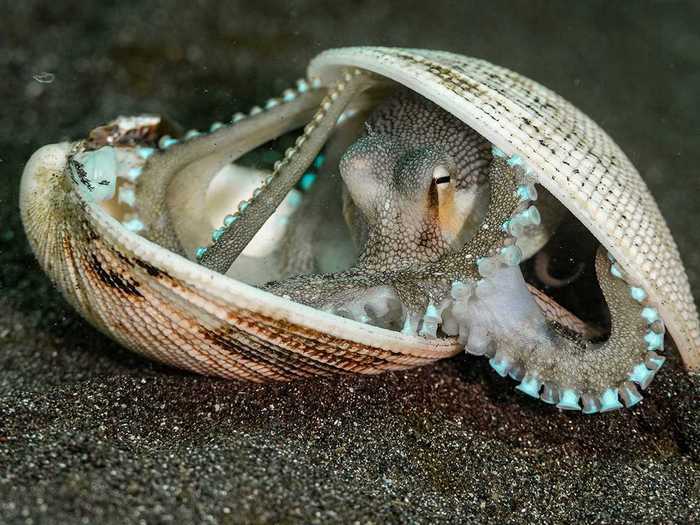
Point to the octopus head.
(406, 198)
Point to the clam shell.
(162, 305)
(571, 156)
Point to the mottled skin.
(403, 175)
(408, 165)
(395, 176)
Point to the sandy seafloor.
(90, 433)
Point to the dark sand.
(90, 433)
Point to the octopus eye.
(441, 175)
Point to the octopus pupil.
(442, 180)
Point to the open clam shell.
(154, 298)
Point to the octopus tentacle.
(252, 214)
(571, 372)
(498, 316)
(186, 168)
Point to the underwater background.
(90, 432)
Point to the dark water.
(90, 432)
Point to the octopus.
(428, 267)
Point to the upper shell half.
(571, 156)
(166, 305)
